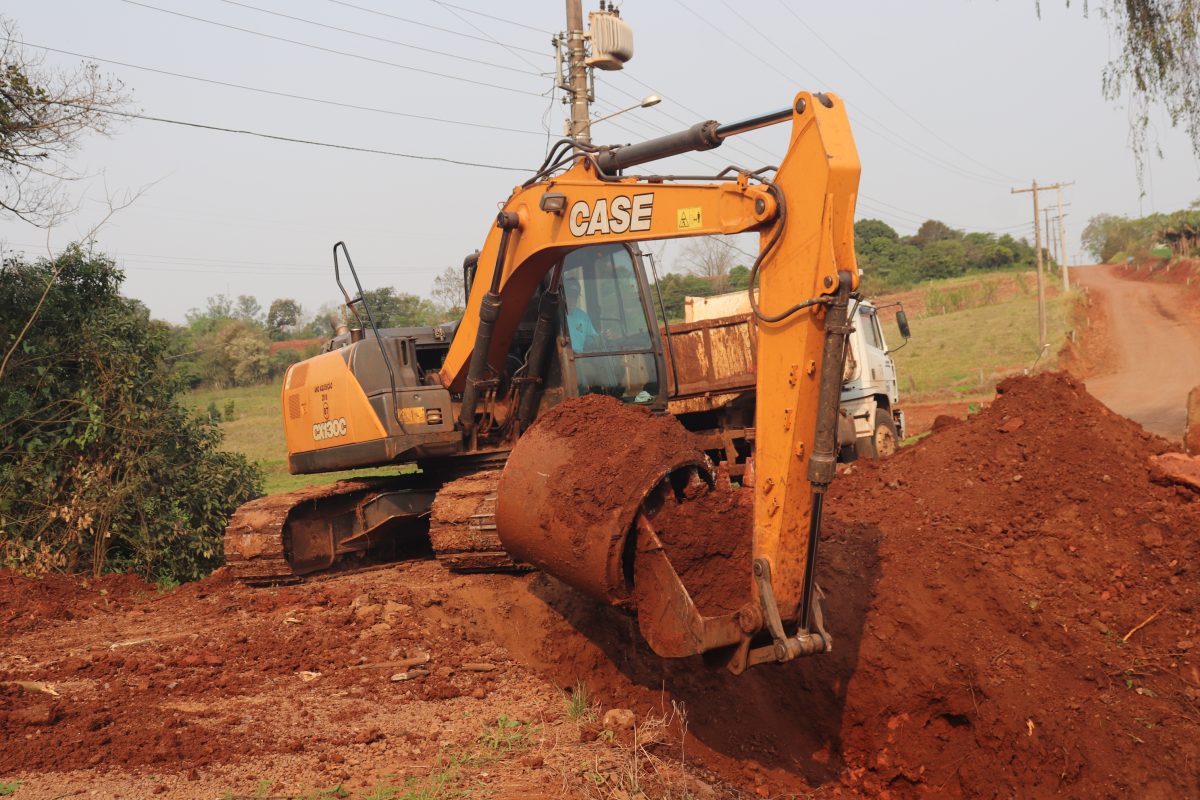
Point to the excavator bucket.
(617, 502)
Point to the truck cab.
(870, 391)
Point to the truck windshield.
(607, 326)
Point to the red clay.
(708, 541)
(1013, 609)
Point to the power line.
(450, 31)
(887, 96)
(294, 140)
(933, 158)
(378, 38)
(911, 148)
(357, 56)
(201, 265)
(475, 27)
(275, 93)
(917, 218)
(497, 19)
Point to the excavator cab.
(611, 343)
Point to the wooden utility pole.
(1051, 245)
(580, 126)
(1037, 235)
(1062, 243)
(1041, 282)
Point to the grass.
(580, 705)
(508, 734)
(963, 353)
(9, 788)
(256, 431)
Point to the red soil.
(26, 603)
(1012, 602)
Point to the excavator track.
(462, 526)
(255, 549)
(281, 538)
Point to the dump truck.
(559, 309)
(711, 366)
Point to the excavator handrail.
(362, 298)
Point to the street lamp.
(647, 101)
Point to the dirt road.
(1155, 332)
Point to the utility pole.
(1051, 245)
(1062, 243)
(580, 127)
(1041, 283)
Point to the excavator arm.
(805, 271)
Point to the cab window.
(606, 324)
(870, 327)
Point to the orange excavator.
(559, 308)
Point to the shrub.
(101, 466)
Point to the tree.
(868, 229)
(392, 309)
(217, 311)
(235, 354)
(322, 323)
(248, 310)
(1159, 64)
(709, 257)
(932, 230)
(101, 465)
(283, 315)
(448, 292)
(943, 259)
(739, 278)
(43, 115)
(673, 288)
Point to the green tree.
(739, 278)
(932, 230)
(236, 354)
(101, 466)
(674, 288)
(448, 293)
(248, 309)
(217, 311)
(868, 229)
(392, 309)
(944, 258)
(283, 316)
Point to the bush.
(100, 465)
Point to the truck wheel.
(884, 442)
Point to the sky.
(952, 102)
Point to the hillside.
(969, 333)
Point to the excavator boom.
(806, 271)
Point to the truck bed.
(709, 362)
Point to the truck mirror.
(902, 323)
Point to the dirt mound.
(986, 589)
(26, 603)
(1018, 553)
(618, 448)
